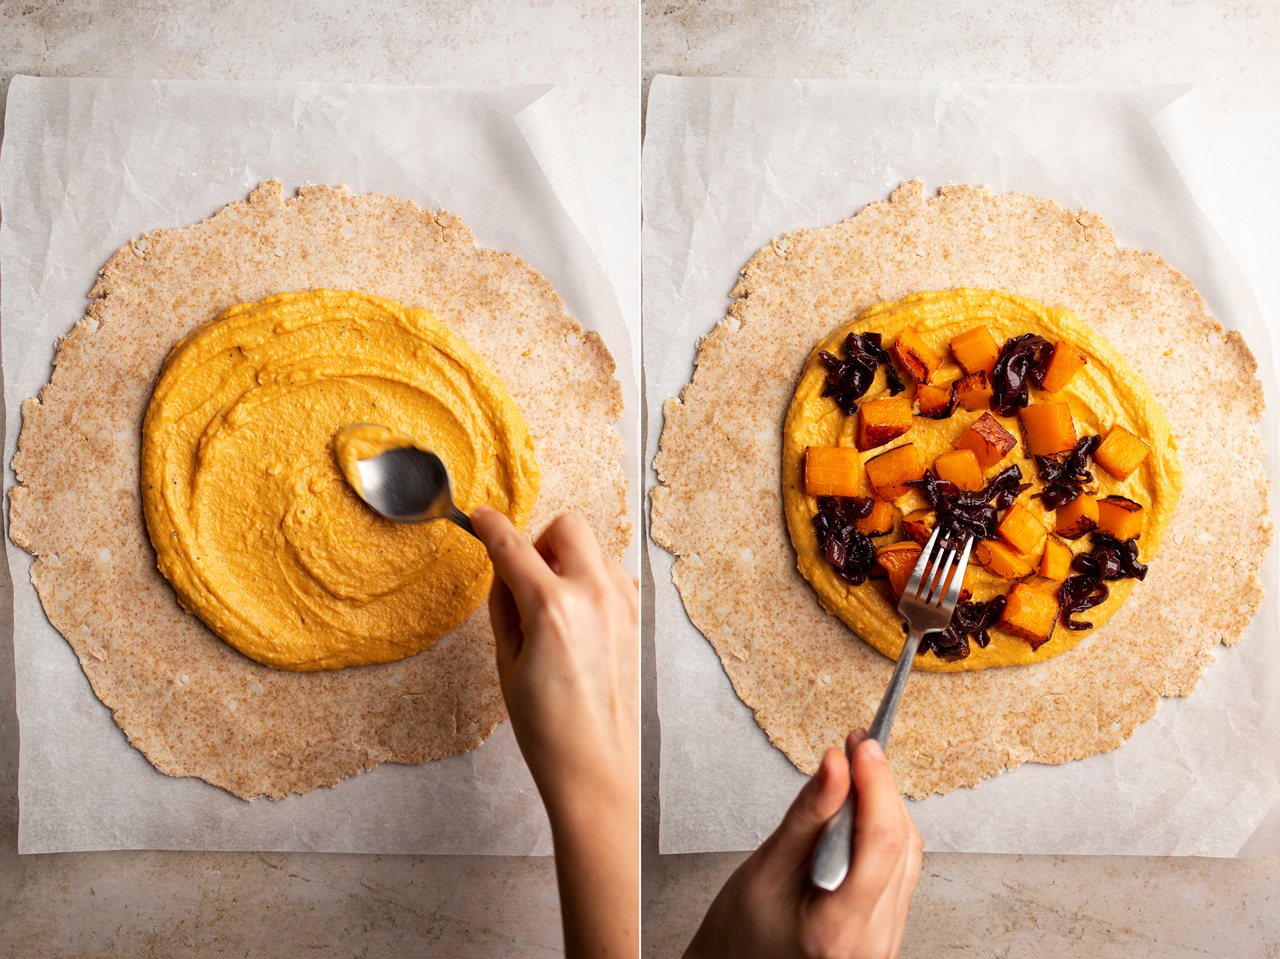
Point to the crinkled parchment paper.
(88, 165)
(731, 164)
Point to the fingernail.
(873, 750)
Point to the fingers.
(574, 552)
(567, 547)
(570, 544)
(792, 842)
(882, 830)
(529, 574)
(514, 558)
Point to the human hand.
(769, 908)
(566, 621)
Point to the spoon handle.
(457, 516)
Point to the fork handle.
(879, 729)
(835, 846)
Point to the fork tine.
(938, 580)
(957, 583)
(917, 574)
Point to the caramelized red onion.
(836, 528)
(970, 618)
(1023, 360)
(849, 379)
(976, 512)
(1109, 560)
(1064, 474)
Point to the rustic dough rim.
(315, 729)
(890, 249)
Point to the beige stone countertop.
(292, 904)
(1014, 906)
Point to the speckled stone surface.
(249, 904)
(1015, 906)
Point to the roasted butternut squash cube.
(976, 351)
(1072, 520)
(890, 472)
(898, 560)
(1120, 517)
(880, 421)
(880, 522)
(918, 525)
(1121, 452)
(959, 467)
(989, 441)
(1029, 613)
(832, 471)
(914, 356)
(973, 392)
(1021, 530)
(1055, 564)
(1049, 428)
(998, 559)
(1066, 362)
(936, 402)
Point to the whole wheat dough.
(190, 703)
(808, 678)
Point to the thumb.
(504, 616)
(792, 842)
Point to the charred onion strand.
(1110, 559)
(1023, 360)
(836, 527)
(969, 619)
(976, 512)
(1064, 474)
(849, 379)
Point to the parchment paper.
(88, 164)
(730, 164)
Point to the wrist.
(577, 802)
(596, 833)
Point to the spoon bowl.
(405, 484)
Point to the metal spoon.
(405, 484)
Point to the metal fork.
(926, 610)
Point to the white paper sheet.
(88, 164)
(730, 164)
